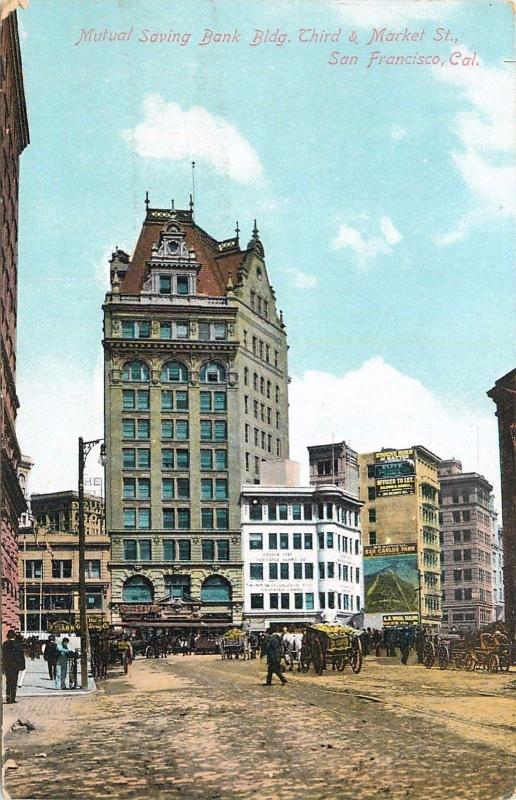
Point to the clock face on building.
(173, 247)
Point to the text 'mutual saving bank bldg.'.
(196, 398)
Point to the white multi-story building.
(497, 562)
(302, 551)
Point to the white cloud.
(170, 132)
(375, 13)
(391, 234)
(397, 133)
(302, 280)
(485, 133)
(378, 406)
(53, 414)
(365, 249)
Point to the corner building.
(195, 400)
(14, 138)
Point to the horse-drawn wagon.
(335, 645)
(233, 644)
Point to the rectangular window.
(309, 601)
(208, 550)
(165, 330)
(144, 518)
(129, 517)
(221, 459)
(371, 493)
(167, 489)
(130, 550)
(273, 601)
(182, 284)
(221, 489)
(283, 511)
(331, 569)
(255, 541)
(283, 541)
(167, 429)
(322, 600)
(321, 541)
(143, 458)
(183, 488)
(206, 459)
(223, 550)
(61, 568)
(297, 540)
(219, 401)
(128, 400)
(167, 459)
(309, 571)
(298, 571)
(255, 511)
(33, 569)
(206, 489)
(143, 400)
(183, 518)
(296, 511)
(222, 517)
(128, 428)
(182, 459)
(329, 540)
(372, 515)
(181, 401)
(256, 572)
(298, 600)
(167, 400)
(309, 541)
(143, 488)
(129, 488)
(273, 572)
(372, 537)
(145, 550)
(272, 511)
(284, 572)
(182, 330)
(206, 430)
(285, 600)
(185, 549)
(165, 284)
(322, 570)
(181, 429)
(220, 429)
(207, 519)
(256, 601)
(169, 550)
(205, 401)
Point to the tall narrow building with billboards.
(14, 138)
(195, 399)
(400, 528)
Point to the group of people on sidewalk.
(56, 655)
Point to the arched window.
(213, 373)
(174, 372)
(216, 589)
(135, 371)
(137, 589)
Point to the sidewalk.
(37, 683)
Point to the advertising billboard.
(391, 581)
(394, 473)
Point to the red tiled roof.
(216, 266)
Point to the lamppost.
(84, 449)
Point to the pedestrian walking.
(50, 656)
(13, 661)
(274, 651)
(63, 655)
(21, 674)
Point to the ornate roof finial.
(172, 205)
(255, 232)
(237, 231)
(191, 203)
(147, 201)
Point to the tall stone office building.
(14, 138)
(196, 397)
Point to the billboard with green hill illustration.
(391, 581)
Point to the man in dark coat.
(13, 661)
(274, 651)
(50, 656)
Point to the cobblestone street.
(198, 727)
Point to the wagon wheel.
(429, 655)
(443, 656)
(317, 654)
(149, 652)
(304, 659)
(493, 665)
(356, 658)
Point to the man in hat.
(274, 651)
(13, 661)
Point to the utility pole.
(84, 449)
(1, 578)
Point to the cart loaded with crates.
(233, 644)
(331, 645)
(491, 652)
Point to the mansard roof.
(219, 260)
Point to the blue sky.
(381, 196)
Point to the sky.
(383, 194)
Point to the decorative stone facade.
(195, 398)
(14, 139)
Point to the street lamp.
(84, 449)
